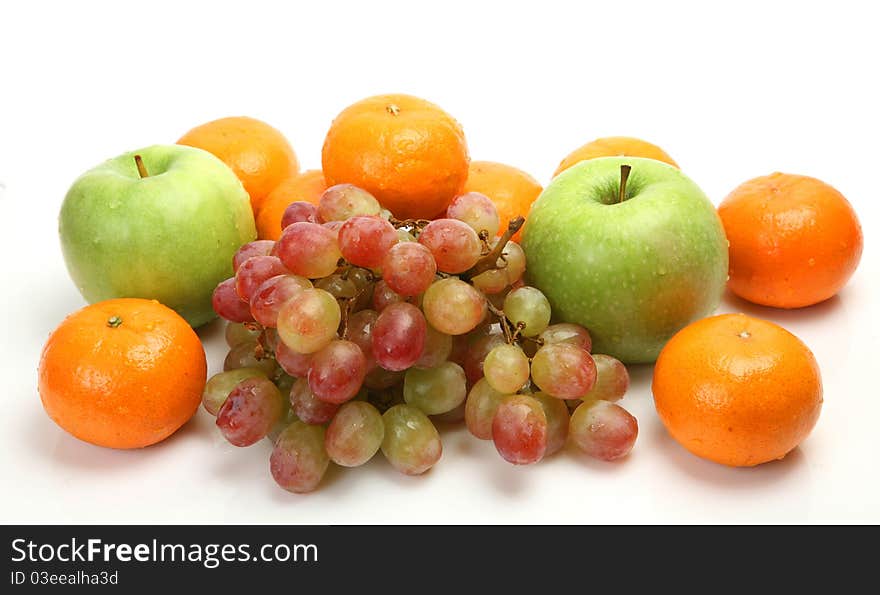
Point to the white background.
(731, 91)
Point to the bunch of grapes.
(355, 332)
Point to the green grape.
(299, 460)
(515, 262)
(506, 368)
(355, 434)
(411, 442)
(244, 355)
(435, 390)
(482, 402)
(437, 348)
(557, 421)
(237, 333)
(563, 370)
(491, 282)
(338, 286)
(287, 418)
(220, 385)
(454, 307)
(309, 320)
(529, 306)
(284, 382)
(612, 379)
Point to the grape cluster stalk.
(356, 332)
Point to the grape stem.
(490, 261)
(346, 313)
(484, 240)
(416, 224)
(262, 350)
(536, 340)
(502, 319)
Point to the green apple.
(628, 247)
(161, 223)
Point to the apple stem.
(142, 169)
(491, 259)
(624, 174)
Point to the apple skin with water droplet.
(635, 271)
(168, 235)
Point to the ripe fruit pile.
(372, 326)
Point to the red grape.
(455, 246)
(309, 408)
(253, 272)
(384, 295)
(299, 460)
(250, 411)
(251, 249)
(477, 210)
(343, 201)
(309, 250)
(519, 430)
(337, 371)
(566, 332)
(295, 364)
(228, 305)
(364, 241)
(299, 211)
(398, 336)
(274, 293)
(360, 332)
(409, 268)
(219, 386)
(334, 226)
(355, 434)
(603, 430)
